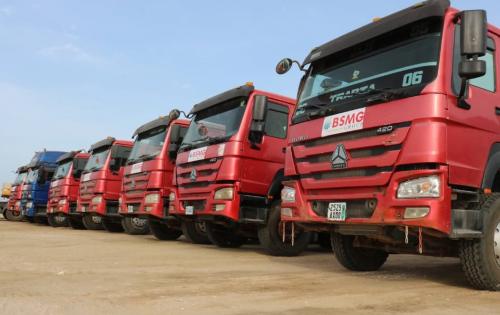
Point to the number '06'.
(412, 78)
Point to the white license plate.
(337, 211)
(83, 209)
(189, 210)
(130, 208)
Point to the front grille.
(202, 162)
(198, 205)
(363, 172)
(199, 173)
(361, 208)
(195, 185)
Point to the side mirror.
(284, 65)
(258, 118)
(174, 142)
(473, 39)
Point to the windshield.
(97, 159)
(217, 122)
(407, 58)
(62, 170)
(148, 144)
(32, 176)
(20, 178)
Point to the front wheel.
(93, 222)
(57, 220)
(195, 232)
(356, 258)
(13, 216)
(280, 238)
(224, 237)
(480, 258)
(163, 232)
(135, 225)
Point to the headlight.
(120, 202)
(29, 204)
(288, 194)
(152, 198)
(224, 193)
(97, 199)
(171, 197)
(62, 202)
(423, 187)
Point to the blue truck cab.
(35, 193)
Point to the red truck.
(100, 186)
(65, 188)
(147, 180)
(13, 210)
(394, 145)
(229, 171)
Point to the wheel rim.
(96, 219)
(201, 227)
(496, 244)
(138, 222)
(60, 219)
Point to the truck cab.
(100, 185)
(35, 191)
(229, 170)
(148, 175)
(13, 210)
(65, 187)
(394, 146)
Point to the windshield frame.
(232, 104)
(20, 178)
(355, 102)
(148, 134)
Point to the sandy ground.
(62, 271)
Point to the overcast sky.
(74, 72)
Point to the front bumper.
(136, 206)
(85, 205)
(54, 206)
(33, 209)
(387, 210)
(205, 206)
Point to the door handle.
(283, 150)
(497, 111)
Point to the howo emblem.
(339, 157)
(192, 175)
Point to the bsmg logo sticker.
(345, 122)
(197, 154)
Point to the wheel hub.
(60, 219)
(138, 222)
(96, 219)
(496, 244)
(201, 227)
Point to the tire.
(57, 220)
(356, 258)
(11, 216)
(92, 222)
(223, 237)
(135, 225)
(480, 258)
(76, 223)
(271, 235)
(162, 232)
(195, 232)
(112, 226)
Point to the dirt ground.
(44, 270)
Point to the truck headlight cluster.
(97, 200)
(288, 194)
(152, 198)
(423, 187)
(224, 194)
(171, 196)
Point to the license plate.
(337, 211)
(189, 210)
(83, 209)
(130, 208)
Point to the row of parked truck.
(393, 146)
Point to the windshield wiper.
(208, 140)
(142, 157)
